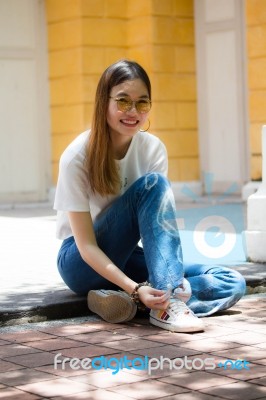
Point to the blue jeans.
(147, 211)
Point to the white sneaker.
(176, 318)
(111, 305)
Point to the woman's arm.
(82, 228)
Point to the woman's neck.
(121, 147)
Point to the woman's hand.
(153, 298)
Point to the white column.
(256, 215)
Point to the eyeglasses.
(126, 104)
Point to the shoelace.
(178, 306)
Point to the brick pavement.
(27, 359)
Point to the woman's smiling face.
(126, 123)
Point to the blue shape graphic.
(214, 237)
(212, 232)
(189, 193)
(208, 179)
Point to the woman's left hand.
(153, 298)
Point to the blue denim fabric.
(147, 211)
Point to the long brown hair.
(100, 163)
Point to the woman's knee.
(153, 180)
(219, 280)
(240, 284)
(233, 281)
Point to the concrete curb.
(60, 304)
(43, 306)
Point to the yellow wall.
(85, 36)
(161, 38)
(256, 46)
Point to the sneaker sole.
(172, 328)
(112, 308)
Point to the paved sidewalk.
(27, 355)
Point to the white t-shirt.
(146, 153)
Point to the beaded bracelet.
(135, 295)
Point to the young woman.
(113, 191)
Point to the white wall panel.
(219, 10)
(19, 154)
(24, 107)
(223, 112)
(222, 98)
(17, 23)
